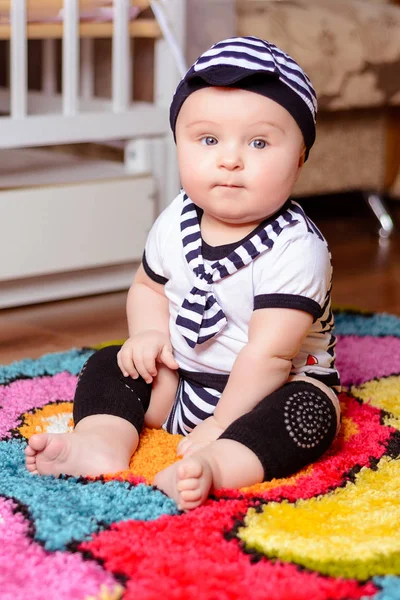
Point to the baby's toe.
(189, 469)
(188, 506)
(32, 469)
(190, 495)
(30, 451)
(188, 484)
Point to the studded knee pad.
(287, 430)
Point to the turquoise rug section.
(348, 323)
(390, 588)
(69, 510)
(49, 364)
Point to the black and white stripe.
(255, 54)
(193, 404)
(201, 317)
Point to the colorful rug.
(332, 531)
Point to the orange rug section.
(156, 451)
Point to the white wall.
(208, 21)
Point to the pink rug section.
(360, 359)
(25, 394)
(26, 569)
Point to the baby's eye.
(259, 144)
(209, 140)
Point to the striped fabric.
(193, 405)
(255, 55)
(201, 317)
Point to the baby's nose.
(231, 159)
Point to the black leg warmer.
(289, 429)
(102, 389)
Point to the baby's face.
(239, 153)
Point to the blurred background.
(87, 160)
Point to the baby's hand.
(202, 435)
(139, 354)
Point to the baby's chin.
(238, 215)
(236, 219)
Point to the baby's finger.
(141, 368)
(129, 366)
(121, 365)
(126, 364)
(149, 361)
(167, 358)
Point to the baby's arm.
(148, 350)
(264, 364)
(147, 306)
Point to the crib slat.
(18, 59)
(121, 57)
(49, 67)
(87, 68)
(70, 58)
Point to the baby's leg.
(222, 464)
(108, 414)
(286, 431)
(162, 396)
(99, 444)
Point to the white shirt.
(295, 273)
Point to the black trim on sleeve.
(288, 301)
(150, 272)
(330, 379)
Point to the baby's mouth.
(229, 185)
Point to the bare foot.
(188, 481)
(72, 454)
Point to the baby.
(230, 326)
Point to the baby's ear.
(302, 157)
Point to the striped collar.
(201, 317)
(217, 252)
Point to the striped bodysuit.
(212, 291)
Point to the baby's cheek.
(190, 166)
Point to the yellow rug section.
(384, 394)
(105, 594)
(352, 532)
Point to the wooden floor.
(366, 275)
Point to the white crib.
(74, 225)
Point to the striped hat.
(252, 64)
